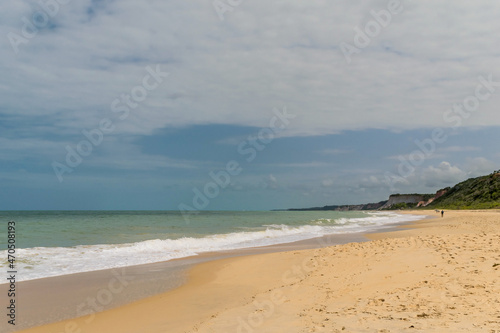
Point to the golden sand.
(441, 276)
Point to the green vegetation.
(474, 193)
(402, 205)
(425, 196)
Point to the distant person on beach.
(442, 213)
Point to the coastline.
(53, 299)
(145, 238)
(207, 299)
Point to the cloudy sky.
(243, 104)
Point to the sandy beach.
(440, 275)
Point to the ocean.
(52, 243)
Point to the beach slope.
(442, 275)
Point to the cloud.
(22, 148)
(264, 55)
(442, 175)
(271, 182)
(327, 182)
(479, 166)
(312, 164)
(457, 149)
(372, 182)
(411, 156)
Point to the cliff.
(474, 193)
(399, 199)
(396, 201)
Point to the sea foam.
(40, 262)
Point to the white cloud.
(442, 175)
(479, 166)
(264, 55)
(457, 149)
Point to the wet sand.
(49, 300)
(440, 275)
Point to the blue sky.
(352, 101)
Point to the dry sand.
(441, 276)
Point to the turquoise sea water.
(62, 242)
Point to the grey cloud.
(265, 55)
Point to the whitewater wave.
(42, 262)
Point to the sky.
(243, 105)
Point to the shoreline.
(54, 299)
(204, 282)
(47, 300)
(276, 241)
